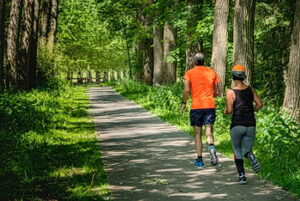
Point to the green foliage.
(277, 143)
(48, 147)
(84, 40)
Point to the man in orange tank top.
(202, 84)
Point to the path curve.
(147, 159)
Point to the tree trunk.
(169, 46)
(79, 77)
(53, 24)
(44, 22)
(148, 61)
(2, 31)
(291, 101)
(158, 55)
(34, 45)
(105, 76)
(119, 75)
(243, 35)
(192, 46)
(112, 76)
(25, 46)
(98, 77)
(139, 61)
(219, 52)
(12, 43)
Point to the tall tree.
(219, 52)
(243, 35)
(158, 54)
(192, 45)
(26, 44)
(12, 43)
(2, 31)
(34, 45)
(148, 61)
(53, 24)
(292, 91)
(44, 21)
(169, 46)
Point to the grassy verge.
(278, 137)
(48, 147)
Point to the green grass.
(48, 147)
(278, 136)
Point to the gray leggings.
(242, 138)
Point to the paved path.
(147, 159)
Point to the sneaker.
(242, 180)
(253, 162)
(199, 163)
(213, 155)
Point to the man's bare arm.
(185, 95)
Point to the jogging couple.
(202, 84)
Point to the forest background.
(45, 44)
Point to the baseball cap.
(239, 71)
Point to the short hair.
(198, 59)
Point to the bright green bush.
(48, 147)
(278, 136)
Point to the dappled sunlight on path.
(147, 159)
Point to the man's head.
(198, 59)
(238, 72)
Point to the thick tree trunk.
(158, 70)
(243, 35)
(12, 43)
(44, 22)
(291, 101)
(2, 31)
(169, 46)
(53, 24)
(139, 61)
(34, 45)
(192, 46)
(219, 52)
(26, 45)
(148, 61)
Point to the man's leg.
(198, 140)
(198, 146)
(211, 147)
(209, 134)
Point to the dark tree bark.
(139, 61)
(243, 35)
(158, 55)
(147, 47)
(34, 45)
(53, 24)
(26, 44)
(291, 102)
(98, 77)
(219, 52)
(12, 43)
(192, 47)
(169, 46)
(44, 21)
(2, 41)
(148, 58)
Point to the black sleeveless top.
(243, 113)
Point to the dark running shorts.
(200, 117)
